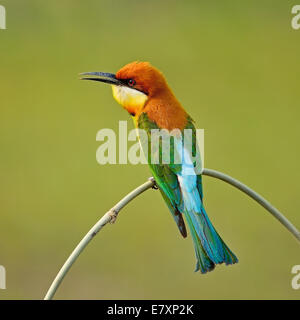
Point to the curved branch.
(254, 195)
(111, 216)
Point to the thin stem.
(111, 216)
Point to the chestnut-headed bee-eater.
(143, 91)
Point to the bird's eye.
(131, 82)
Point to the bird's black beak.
(105, 77)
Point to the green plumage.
(183, 196)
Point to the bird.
(143, 91)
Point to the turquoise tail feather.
(209, 247)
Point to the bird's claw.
(155, 187)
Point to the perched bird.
(143, 91)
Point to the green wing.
(165, 174)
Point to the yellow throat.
(132, 100)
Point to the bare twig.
(111, 216)
(258, 198)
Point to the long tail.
(210, 249)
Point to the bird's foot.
(155, 187)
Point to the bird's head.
(133, 84)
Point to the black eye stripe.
(131, 83)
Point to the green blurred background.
(235, 68)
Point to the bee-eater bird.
(143, 91)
